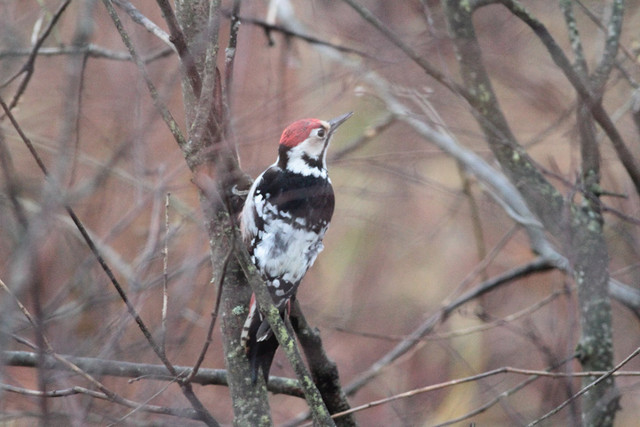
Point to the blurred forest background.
(415, 228)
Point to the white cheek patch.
(297, 163)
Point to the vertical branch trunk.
(210, 156)
(250, 403)
(586, 247)
(595, 350)
(543, 199)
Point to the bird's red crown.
(298, 131)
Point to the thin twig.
(165, 275)
(112, 278)
(230, 54)
(180, 42)
(368, 135)
(177, 412)
(90, 50)
(148, 24)
(604, 376)
(419, 59)
(537, 265)
(28, 66)
(462, 332)
(268, 28)
(140, 371)
(214, 315)
(162, 108)
(509, 392)
(498, 371)
(11, 182)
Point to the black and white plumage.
(284, 219)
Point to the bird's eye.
(321, 132)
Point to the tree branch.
(324, 370)
(594, 102)
(149, 25)
(179, 40)
(28, 67)
(162, 108)
(155, 409)
(116, 368)
(540, 264)
(89, 50)
(319, 411)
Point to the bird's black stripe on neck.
(314, 163)
(283, 158)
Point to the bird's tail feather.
(259, 341)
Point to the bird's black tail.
(259, 341)
(261, 354)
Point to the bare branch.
(612, 43)
(540, 264)
(148, 24)
(162, 108)
(214, 316)
(139, 371)
(602, 377)
(472, 378)
(324, 370)
(288, 32)
(165, 275)
(28, 67)
(319, 411)
(89, 50)
(574, 37)
(593, 101)
(180, 42)
(155, 409)
(415, 57)
(186, 388)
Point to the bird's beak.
(334, 123)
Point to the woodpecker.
(284, 219)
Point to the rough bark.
(578, 223)
(214, 164)
(216, 172)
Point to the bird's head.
(303, 144)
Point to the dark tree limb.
(160, 106)
(580, 224)
(123, 369)
(75, 390)
(542, 198)
(593, 101)
(29, 66)
(178, 39)
(140, 19)
(319, 411)
(269, 28)
(323, 370)
(539, 264)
